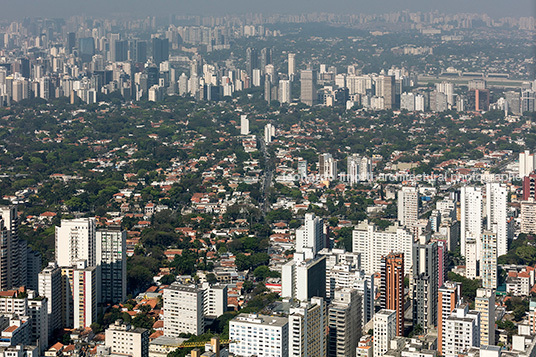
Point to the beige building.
(123, 339)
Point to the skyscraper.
(353, 163)
(160, 49)
(112, 263)
(308, 87)
(385, 329)
(10, 261)
(310, 237)
(291, 65)
(50, 286)
(307, 329)
(448, 299)
(285, 94)
(252, 61)
(266, 58)
(392, 288)
(485, 305)
(408, 206)
(527, 162)
(344, 323)
(76, 240)
(304, 279)
(488, 263)
(471, 217)
(385, 88)
(496, 214)
(183, 310)
(425, 288)
(327, 167)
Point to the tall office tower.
(285, 92)
(485, 305)
(160, 50)
(123, 339)
(327, 167)
(183, 310)
(471, 217)
(353, 163)
(10, 261)
(244, 125)
(259, 335)
(112, 40)
(373, 244)
(514, 102)
(408, 206)
(51, 288)
(448, 299)
(344, 319)
(307, 329)
(252, 61)
(76, 240)
(425, 285)
(392, 288)
(71, 42)
(310, 237)
(308, 87)
(37, 311)
(112, 263)
(304, 279)
(86, 48)
(302, 169)
(385, 327)
(141, 51)
(461, 331)
(488, 263)
(496, 215)
(79, 295)
(527, 163)
(266, 57)
(120, 51)
(385, 88)
(291, 65)
(528, 216)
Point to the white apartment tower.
(76, 240)
(285, 91)
(327, 167)
(471, 218)
(408, 206)
(310, 237)
(123, 339)
(527, 163)
(384, 330)
(50, 287)
(259, 335)
(244, 125)
(496, 214)
(183, 310)
(461, 331)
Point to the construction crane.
(202, 344)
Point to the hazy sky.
(15, 9)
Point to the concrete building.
(392, 287)
(304, 279)
(373, 244)
(425, 285)
(214, 299)
(448, 299)
(496, 215)
(461, 331)
(327, 167)
(485, 305)
(385, 327)
(123, 339)
(76, 240)
(50, 286)
(259, 335)
(344, 323)
(244, 125)
(79, 295)
(183, 310)
(310, 237)
(285, 91)
(408, 206)
(488, 263)
(471, 218)
(307, 329)
(527, 163)
(528, 216)
(11, 276)
(112, 264)
(308, 87)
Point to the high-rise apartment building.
(449, 297)
(123, 339)
(344, 321)
(183, 310)
(50, 286)
(327, 167)
(485, 305)
(529, 186)
(291, 65)
(408, 206)
(12, 274)
(385, 327)
(307, 329)
(80, 295)
(244, 125)
(304, 279)
(285, 91)
(310, 237)
(461, 331)
(308, 87)
(373, 244)
(112, 264)
(259, 335)
(392, 288)
(528, 216)
(385, 88)
(496, 215)
(160, 50)
(471, 217)
(488, 262)
(252, 61)
(425, 285)
(76, 240)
